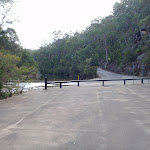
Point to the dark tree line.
(16, 63)
(108, 42)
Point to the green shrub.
(3, 95)
(147, 60)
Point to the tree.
(108, 40)
(5, 9)
(27, 60)
(145, 2)
(146, 24)
(8, 66)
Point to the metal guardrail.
(103, 81)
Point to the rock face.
(140, 68)
(141, 57)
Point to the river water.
(32, 85)
(102, 74)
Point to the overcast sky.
(40, 18)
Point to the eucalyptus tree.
(5, 10)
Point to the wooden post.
(78, 83)
(133, 73)
(124, 82)
(102, 83)
(45, 83)
(141, 81)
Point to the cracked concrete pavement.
(77, 118)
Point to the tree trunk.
(148, 32)
(106, 49)
(126, 41)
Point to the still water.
(32, 85)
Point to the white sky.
(40, 18)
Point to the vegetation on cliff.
(114, 42)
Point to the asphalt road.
(77, 118)
(103, 74)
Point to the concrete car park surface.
(113, 117)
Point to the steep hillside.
(119, 42)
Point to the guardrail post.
(124, 82)
(45, 83)
(78, 83)
(60, 84)
(133, 73)
(142, 81)
(102, 83)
